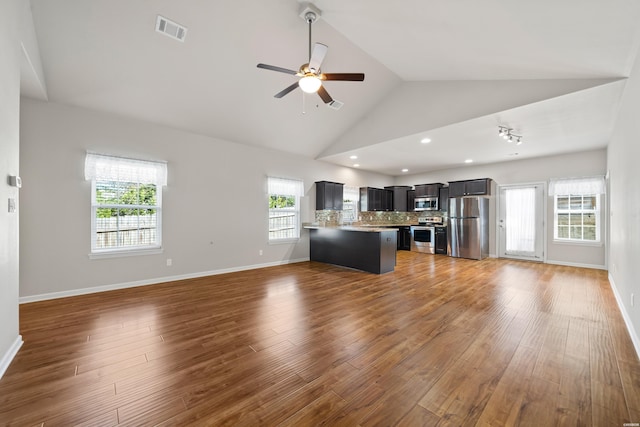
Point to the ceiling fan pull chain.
(303, 104)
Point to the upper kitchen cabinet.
(428, 190)
(443, 199)
(400, 199)
(375, 199)
(329, 195)
(472, 187)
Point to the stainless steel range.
(423, 235)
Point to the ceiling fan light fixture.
(310, 84)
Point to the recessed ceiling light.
(405, 170)
(353, 157)
(356, 165)
(468, 161)
(425, 140)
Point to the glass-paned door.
(521, 222)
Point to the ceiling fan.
(310, 75)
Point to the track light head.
(508, 135)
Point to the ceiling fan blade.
(317, 56)
(279, 69)
(351, 77)
(286, 91)
(324, 95)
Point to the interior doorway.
(521, 221)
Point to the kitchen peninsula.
(371, 249)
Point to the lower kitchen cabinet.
(404, 238)
(441, 239)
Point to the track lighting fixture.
(507, 133)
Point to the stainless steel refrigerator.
(468, 228)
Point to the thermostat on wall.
(15, 181)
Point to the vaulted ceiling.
(451, 71)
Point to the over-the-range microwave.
(426, 204)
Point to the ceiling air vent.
(335, 104)
(170, 28)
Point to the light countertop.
(362, 228)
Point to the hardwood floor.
(440, 341)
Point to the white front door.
(521, 221)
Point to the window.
(577, 209)
(350, 196)
(126, 203)
(284, 208)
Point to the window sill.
(284, 241)
(125, 253)
(577, 243)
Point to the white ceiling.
(418, 56)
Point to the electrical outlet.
(260, 252)
(632, 300)
(169, 262)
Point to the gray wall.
(9, 162)
(586, 163)
(214, 207)
(624, 175)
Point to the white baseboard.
(7, 358)
(627, 320)
(104, 288)
(576, 264)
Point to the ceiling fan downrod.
(310, 17)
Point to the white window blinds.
(577, 186)
(109, 168)
(285, 187)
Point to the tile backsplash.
(330, 217)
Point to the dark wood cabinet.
(370, 199)
(478, 187)
(387, 200)
(411, 200)
(443, 199)
(472, 187)
(375, 199)
(404, 238)
(400, 201)
(329, 195)
(428, 190)
(441, 240)
(456, 189)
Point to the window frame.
(296, 210)
(596, 212)
(160, 181)
(350, 192)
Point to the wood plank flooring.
(439, 342)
